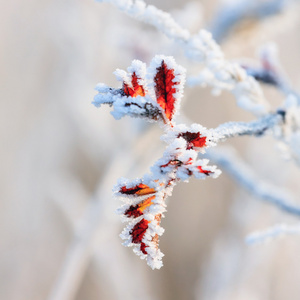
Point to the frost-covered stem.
(202, 48)
(233, 12)
(257, 127)
(246, 178)
(153, 16)
(287, 90)
(273, 232)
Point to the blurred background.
(61, 156)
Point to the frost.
(272, 233)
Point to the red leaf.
(138, 231)
(206, 172)
(143, 248)
(139, 190)
(194, 139)
(136, 89)
(165, 89)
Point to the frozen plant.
(154, 94)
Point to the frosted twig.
(231, 13)
(271, 71)
(228, 161)
(257, 127)
(153, 16)
(201, 47)
(272, 233)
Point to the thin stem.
(246, 178)
(257, 127)
(273, 232)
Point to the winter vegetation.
(196, 90)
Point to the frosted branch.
(272, 233)
(151, 15)
(257, 127)
(228, 161)
(202, 48)
(232, 13)
(270, 71)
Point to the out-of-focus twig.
(273, 232)
(228, 161)
(257, 127)
(236, 11)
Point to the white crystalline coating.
(289, 132)
(228, 76)
(103, 99)
(121, 75)
(187, 156)
(202, 79)
(138, 8)
(140, 69)
(248, 97)
(291, 101)
(272, 233)
(137, 107)
(292, 116)
(295, 146)
(102, 88)
(257, 127)
(176, 147)
(203, 163)
(221, 74)
(151, 15)
(156, 209)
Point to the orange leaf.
(136, 89)
(139, 190)
(137, 210)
